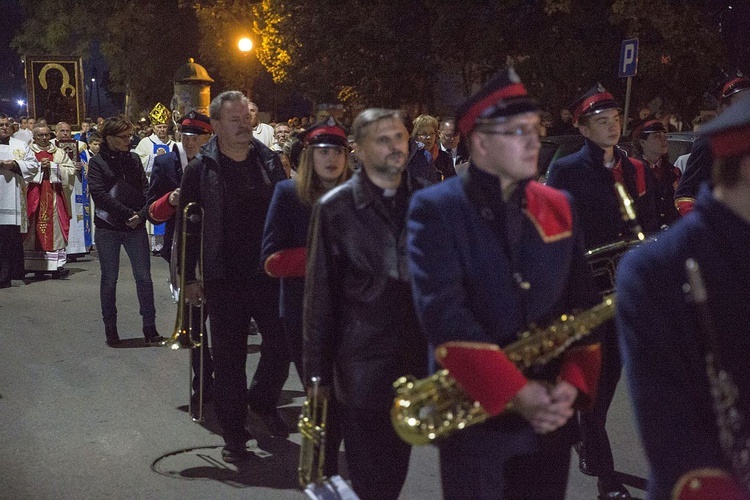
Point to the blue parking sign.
(629, 58)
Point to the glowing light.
(21, 102)
(245, 44)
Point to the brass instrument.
(191, 224)
(312, 426)
(734, 433)
(603, 260)
(434, 407)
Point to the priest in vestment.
(48, 206)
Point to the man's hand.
(194, 294)
(134, 221)
(546, 409)
(45, 163)
(78, 165)
(174, 197)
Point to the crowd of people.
(394, 247)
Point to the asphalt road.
(80, 420)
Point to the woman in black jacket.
(118, 186)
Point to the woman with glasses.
(426, 131)
(118, 187)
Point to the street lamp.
(246, 45)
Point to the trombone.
(191, 224)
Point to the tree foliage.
(390, 52)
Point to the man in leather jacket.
(233, 180)
(360, 329)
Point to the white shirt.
(264, 133)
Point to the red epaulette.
(549, 211)
(161, 210)
(483, 371)
(640, 175)
(287, 263)
(708, 484)
(580, 368)
(684, 205)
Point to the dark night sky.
(11, 68)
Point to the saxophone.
(431, 408)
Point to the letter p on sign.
(629, 58)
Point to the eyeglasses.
(425, 135)
(124, 137)
(41, 135)
(446, 135)
(5, 125)
(520, 131)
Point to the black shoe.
(61, 273)
(151, 336)
(583, 463)
(611, 489)
(158, 339)
(113, 338)
(274, 423)
(232, 453)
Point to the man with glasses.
(49, 209)
(16, 163)
(489, 254)
(281, 136)
(450, 140)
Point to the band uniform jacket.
(662, 344)
(483, 270)
(202, 182)
(697, 171)
(360, 330)
(166, 176)
(584, 176)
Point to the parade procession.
(395, 261)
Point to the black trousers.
(11, 254)
(482, 463)
(195, 354)
(377, 459)
(593, 421)
(232, 303)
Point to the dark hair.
(370, 116)
(94, 137)
(115, 125)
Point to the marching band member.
(589, 175)
(664, 344)
(324, 164)
(162, 200)
(490, 253)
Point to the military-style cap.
(729, 133)
(195, 123)
(594, 101)
(325, 134)
(503, 96)
(648, 126)
(733, 86)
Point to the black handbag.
(128, 196)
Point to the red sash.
(41, 202)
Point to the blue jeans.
(137, 247)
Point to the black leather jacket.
(202, 182)
(360, 328)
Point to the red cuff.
(288, 263)
(707, 484)
(580, 368)
(684, 205)
(161, 210)
(483, 371)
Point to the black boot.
(113, 339)
(152, 336)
